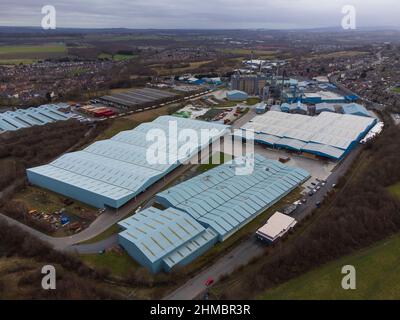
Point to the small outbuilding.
(276, 227)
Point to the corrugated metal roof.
(118, 168)
(328, 129)
(225, 201)
(355, 108)
(24, 118)
(171, 234)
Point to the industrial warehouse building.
(328, 135)
(356, 109)
(136, 99)
(162, 239)
(322, 96)
(297, 107)
(209, 207)
(326, 107)
(25, 118)
(112, 172)
(225, 201)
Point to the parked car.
(209, 282)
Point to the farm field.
(30, 53)
(395, 190)
(378, 277)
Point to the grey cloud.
(200, 13)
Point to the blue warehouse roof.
(24, 118)
(111, 172)
(329, 134)
(356, 109)
(225, 201)
(161, 239)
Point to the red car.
(209, 282)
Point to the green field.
(396, 90)
(119, 263)
(49, 48)
(252, 101)
(214, 161)
(378, 277)
(29, 53)
(395, 190)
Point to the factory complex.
(25, 118)
(111, 172)
(136, 99)
(329, 135)
(205, 209)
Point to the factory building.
(25, 118)
(252, 84)
(137, 99)
(329, 135)
(236, 95)
(114, 171)
(162, 239)
(204, 210)
(297, 108)
(356, 109)
(322, 96)
(326, 107)
(224, 201)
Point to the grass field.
(166, 71)
(252, 101)
(378, 277)
(16, 61)
(30, 53)
(395, 190)
(214, 161)
(396, 90)
(339, 54)
(49, 48)
(119, 263)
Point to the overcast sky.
(200, 14)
